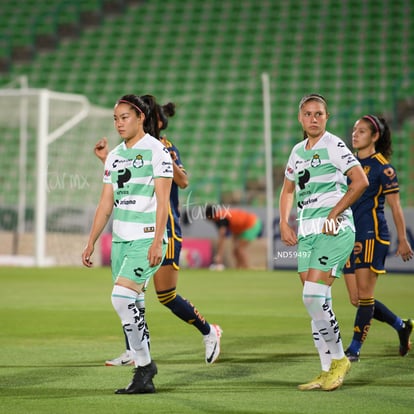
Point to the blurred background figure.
(243, 226)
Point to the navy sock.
(362, 324)
(383, 314)
(184, 309)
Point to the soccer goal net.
(50, 178)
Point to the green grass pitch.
(57, 327)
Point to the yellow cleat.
(316, 383)
(335, 378)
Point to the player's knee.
(354, 300)
(124, 304)
(167, 297)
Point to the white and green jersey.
(320, 181)
(131, 171)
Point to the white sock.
(140, 302)
(124, 303)
(323, 350)
(315, 300)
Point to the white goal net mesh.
(73, 175)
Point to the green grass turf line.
(57, 327)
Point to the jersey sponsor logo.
(127, 202)
(303, 178)
(118, 203)
(117, 162)
(391, 186)
(350, 159)
(123, 177)
(304, 203)
(149, 229)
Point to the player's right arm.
(102, 215)
(287, 196)
(404, 249)
(101, 149)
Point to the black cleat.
(404, 335)
(142, 381)
(351, 356)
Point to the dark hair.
(151, 121)
(137, 104)
(313, 97)
(378, 124)
(165, 112)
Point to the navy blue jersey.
(173, 223)
(368, 210)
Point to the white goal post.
(269, 169)
(50, 177)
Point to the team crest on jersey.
(367, 169)
(316, 161)
(138, 162)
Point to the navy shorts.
(172, 256)
(367, 254)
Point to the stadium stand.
(208, 57)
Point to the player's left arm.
(162, 187)
(358, 184)
(404, 249)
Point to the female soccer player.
(315, 175)
(137, 184)
(166, 277)
(371, 138)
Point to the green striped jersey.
(132, 171)
(320, 181)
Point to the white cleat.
(212, 343)
(124, 359)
